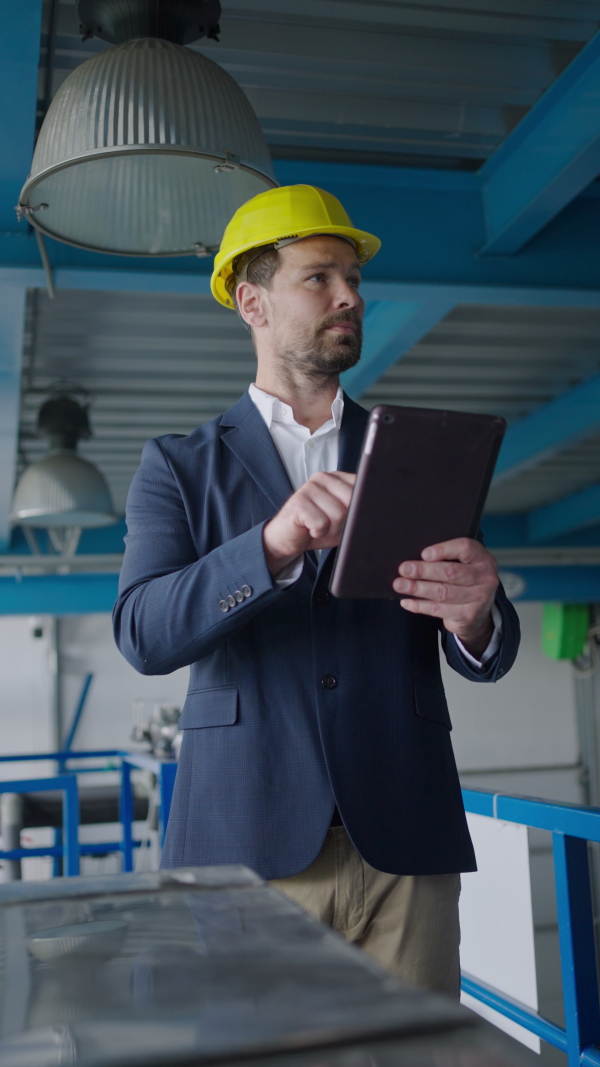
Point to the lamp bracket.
(231, 162)
(179, 21)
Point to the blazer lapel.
(249, 440)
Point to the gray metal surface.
(207, 963)
(398, 81)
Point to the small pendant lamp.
(148, 148)
(62, 491)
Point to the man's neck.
(310, 401)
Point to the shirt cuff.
(290, 573)
(493, 646)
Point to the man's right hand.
(312, 518)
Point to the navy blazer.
(297, 701)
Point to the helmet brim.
(366, 244)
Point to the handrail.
(571, 826)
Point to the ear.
(252, 304)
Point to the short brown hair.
(261, 269)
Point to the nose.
(347, 296)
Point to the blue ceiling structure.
(507, 218)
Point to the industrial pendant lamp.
(148, 148)
(62, 492)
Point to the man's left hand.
(456, 582)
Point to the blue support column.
(70, 826)
(577, 946)
(391, 327)
(551, 157)
(126, 815)
(166, 785)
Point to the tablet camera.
(388, 417)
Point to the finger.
(331, 505)
(309, 516)
(464, 549)
(459, 613)
(457, 573)
(442, 592)
(339, 487)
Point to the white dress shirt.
(303, 454)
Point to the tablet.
(423, 477)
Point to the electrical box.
(564, 630)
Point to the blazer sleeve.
(501, 663)
(168, 612)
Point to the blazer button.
(231, 601)
(247, 590)
(239, 596)
(328, 681)
(224, 606)
(322, 597)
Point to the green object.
(564, 630)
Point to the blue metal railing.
(571, 827)
(66, 842)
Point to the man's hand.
(311, 519)
(456, 582)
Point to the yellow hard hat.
(287, 213)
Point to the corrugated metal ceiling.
(164, 364)
(415, 82)
(505, 361)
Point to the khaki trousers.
(407, 923)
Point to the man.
(316, 742)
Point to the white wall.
(86, 644)
(27, 692)
(527, 719)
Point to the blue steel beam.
(573, 512)
(431, 223)
(391, 327)
(19, 60)
(568, 418)
(12, 318)
(551, 157)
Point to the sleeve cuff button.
(231, 601)
(224, 606)
(247, 590)
(239, 596)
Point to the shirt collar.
(274, 410)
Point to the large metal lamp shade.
(147, 149)
(62, 490)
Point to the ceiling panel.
(505, 361)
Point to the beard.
(326, 355)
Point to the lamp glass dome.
(62, 489)
(147, 149)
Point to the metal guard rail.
(66, 842)
(571, 827)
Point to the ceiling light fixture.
(62, 492)
(148, 148)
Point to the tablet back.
(422, 478)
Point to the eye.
(317, 277)
(354, 281)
